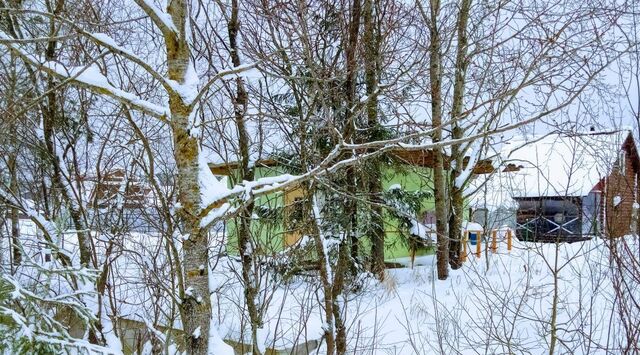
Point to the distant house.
(571, 186)
(116, 188)
(120, 198)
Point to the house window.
(622, 162)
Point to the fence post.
(494, 240)
(478, 244)
(509, 239)
(463, 255)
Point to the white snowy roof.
(472, 226)
(561, 164)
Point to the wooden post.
(494, 240)
(463, 255)
(413, 256)
(509, 239)
(478, 244)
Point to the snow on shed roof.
(562, 164)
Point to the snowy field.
(502, 304)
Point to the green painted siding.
(411, 179)
(272, 231)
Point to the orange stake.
(478, 245)
(494, 240)
(509, 239)
(463, 255)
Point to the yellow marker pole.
(463, 255)
(494, 240)
(509, 239)
(478, 244)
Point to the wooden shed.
(574, 186)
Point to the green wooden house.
(411, 171)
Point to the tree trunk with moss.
(195, 308)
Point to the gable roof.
(422, 158)
(565, 164)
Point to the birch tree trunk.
(195, 309)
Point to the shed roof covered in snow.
(562, 164)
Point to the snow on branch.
(100, 39)
(91, 78)
(46, 226)
(35, 39)
(106, 41)
(188, 89)
(159, 17)
(398, 143)
(249, 190)
(475, 156)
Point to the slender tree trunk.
(457, 153)
(3, 224)
(15, 226)
(374, 181)
(59, 185)
(15, 32)
(455, 226)
(350, 131)
(324, 267)
(16, 254)
(553, 337)
(346, 261)
(439, 173)
(195, 309)
(49, 126)
(240, 102)
(342, 268)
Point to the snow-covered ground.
(499, 304)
